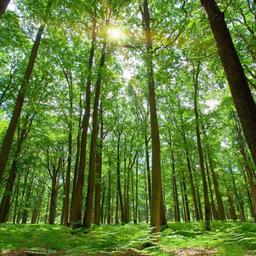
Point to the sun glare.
(116, 34)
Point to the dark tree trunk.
(27, 202)
(69, 160)
(36, 210)
(78, 145)
(232, 209)
(53, 200)
(6, 199)
(118, 175)
(77, 196)
(191, 179)
(242, 97)
(3, 5)
(8, 139)
(185, 199)
(98, 181)
(249, 171)
(109, 194)
(174, 182)
(88, 216)
(207, 206)
(220, 208)
(213, 207)
(148, 175)
(239, 201)
(17, 190)
(156, 158)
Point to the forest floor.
(227, 238)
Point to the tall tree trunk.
(77, 196)
(98, 181)
(78, 146)
(109, 193)
(207, 206)
(6, 199)
(156, 158)
(220, 208)
(148, 175)
(242, 97)
(232, 209)
(174, 182)
(185, 198)
(69, 160)
(135, 219)
(3, 5)
(213, 207)
(191, 179)
(249, 171)
(53, 200)
(118, 176)
(17, 191)
(88, 216)
(27, 202)
(240, 204)
(8, 139)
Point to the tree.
(241, 94)
(3, 6)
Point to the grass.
(228, 238)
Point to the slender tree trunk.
(16, 199)
(119, 191)
(109, 194)
(185, 199)
(156, 158)
(8, 139)
(53, 200)
(77, 196)
(242, 97)
(148, 176)
(239, 201)
(146, 197)
(69, 160)
(78, 146)
(220, 208)
(249, 171)
(200, 154)
(88, 216)
(174, 186)
(3, 5)
(213, 207)
(27, 202)
(98, 182)
(136, 192)
(6, 199)
(191, 179)
(232, 209)
(36, 211)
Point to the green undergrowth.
(226, 238)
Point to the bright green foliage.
(227, 239)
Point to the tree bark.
(88, 216)
(156, 157)
(241, 94)
(98, 181)
(69, 160)
(77, 197)
(8, 139)
(207, 206)
(3, 5)
(148, 176)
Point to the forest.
(127, 127)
